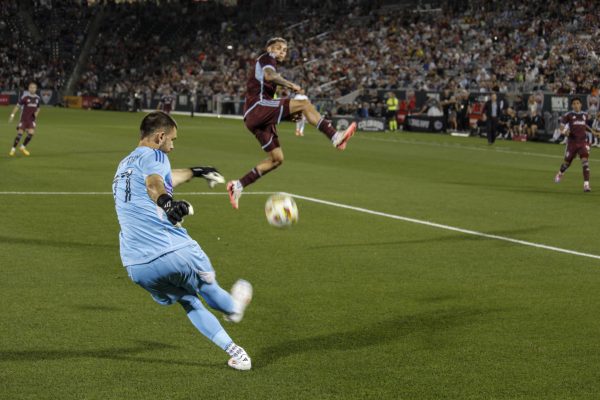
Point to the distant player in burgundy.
(166, 103)
(262, 113)
(29, 104)
(574, 125)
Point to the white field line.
(558, 156)
(357, 209)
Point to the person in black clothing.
(492, 110)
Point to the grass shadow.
(426, 324)
(116, 353)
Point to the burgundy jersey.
(29, 104)
(577, 125)
(257, 88)
(166, 103)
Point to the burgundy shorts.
(573, 149)
(26, 125)
(262, 118)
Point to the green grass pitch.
(347, 305)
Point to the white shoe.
(240, 360)
(340, 139)
(241, 292)
(234, 189)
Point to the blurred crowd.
(336, 47)
(41, 41)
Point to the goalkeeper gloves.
(174, 209)
(211, 174)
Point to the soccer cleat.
(12, 152)
(241, 292)
(23, 150)
(340, 139)
(299, 132)
(234, 189)
(240, 360)
(586, 187)
(558, 177)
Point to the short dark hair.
(155, 121)
(576, 99)
(274, 40)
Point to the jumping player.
(30, 109)
(166, 103)
(262, 114)
(158, 253)
(574, 125)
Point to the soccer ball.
(281, 210)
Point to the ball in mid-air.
(281, 210)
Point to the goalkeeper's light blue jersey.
(146, 232)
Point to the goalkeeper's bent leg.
(205, 321)
(217, 298)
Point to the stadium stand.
(336, 47)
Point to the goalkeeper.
(158, 253)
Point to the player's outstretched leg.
(339, 139)
(585, 164)
(232, 305)
(565, 165)
(210, 327)
(235, 188)
(15, 144)
(25, 143)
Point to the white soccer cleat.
(340, 139)
(586, 187)
(558, 177)
(241, 292)
(240, 360)
(234, 189)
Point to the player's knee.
(585, 163)
(277, 158)
(207, 277)
(305, 104)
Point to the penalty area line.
(448, 227)
(357, 209)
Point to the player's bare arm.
(180, 176)
(273, 76)
(211, 174)
(13, 113)
(155, 187)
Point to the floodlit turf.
(347, 305)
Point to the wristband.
(164, 201)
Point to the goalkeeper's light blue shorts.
(175, 274)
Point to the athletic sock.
(27, 139)
(586, 171)
(563, 168)
(17, 139)
(205, 321)
(324, 125)
(250, 177)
